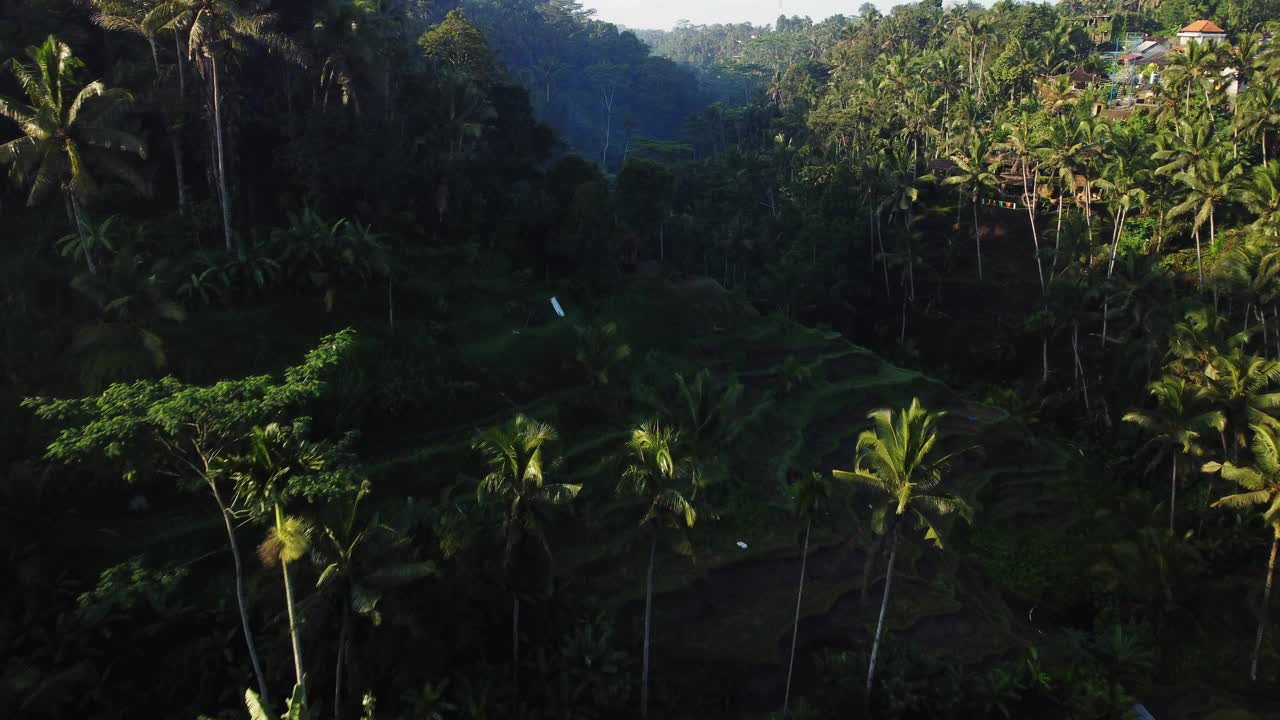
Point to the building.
(1201, 31)
(1081, 79)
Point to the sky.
(663, 14)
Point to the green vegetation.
(319, 265)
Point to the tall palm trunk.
(795, 625)
(884, 608)
(977, 233)
(78, 221)
(1116, 232)
(241, 600)
(1266, 607)
(294, 639)
(648, 618)
(175, 143)
(1173, 492)
(223, 193)
(1057, 241)
(343, 632)
(1027, 195)
(515, 642)
(1199, 261)
(182, 73)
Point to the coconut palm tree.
(805, 497)
(1175, 426)
(128, 16)
(1261, 110)
(1208, 185)
(69, 135)
(1022, 143)
(1262, 197)
(657, 478)
(216, 31)
(898, 460)
(976, 174)
(1060, 150)
(1253, 269)
(345, 38)
(1241, 384)
(1196, 65)
(518, 456)
(1260, 483)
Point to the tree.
(1208, 185)
(1261, 111)
(460, 46)
(363, 558)
(607, 78)
(1060, 149)
(1262, 197)
(1239, 382)
(644, 200)
(345, 36)
(517, 455)
(976, 176)
(279, 466)
(184, 431)
(656, 477)
(1021, 142)
(805, 497)
(128, 16)
(898, 460)
(216, 30)
(1260, 483)
(1122, 180)
(1175, 426)
(709, 422)
(69, 135)
(1197, 64)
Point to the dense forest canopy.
(407, 359)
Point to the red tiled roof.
(1202, 26)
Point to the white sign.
(742, 545)
(556, 304)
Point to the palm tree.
(1175, 426)
(1261, 485)
(68, 135)
(517, 456)
(364, 557)
(1196, 65)
(128, 16)
(345, 38)
(280, 465)
(1262, 197)
(806, 497)
(709, 422)
(1262, 109)
(656, 477)
(1239, 382)
(897, 459)
(1021, 142)
(1253, 268)
(1059, 149)
(975, 175)
(216, 30)
(1208, 185)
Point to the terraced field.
(728, 608)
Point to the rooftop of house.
(1202, 26)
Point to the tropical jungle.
(435, 359)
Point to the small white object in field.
(556, 304)
(742, 545)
